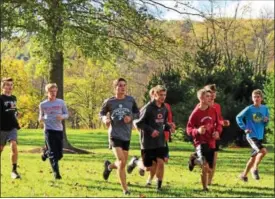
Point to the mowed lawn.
(82, 174)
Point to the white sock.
(109, 168)
(136, 162)
(149, 181)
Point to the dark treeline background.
(84, 45)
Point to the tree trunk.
(56, 70)
(56, 76)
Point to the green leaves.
(269, 100)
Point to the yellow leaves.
(27, 103)
(28, 108)
(15, 68)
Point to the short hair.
(4, 80)
(257, 92)
(159, 88)
(211, 87)
(152, 91)
(49, 86)
(202, 92)
(115, 82)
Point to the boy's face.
(152, 96)
(257, 99)
(8, 87)
(206, 98)
(121, 87)
(52, 93)
(160, 96)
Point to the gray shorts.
(7, 136)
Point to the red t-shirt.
(169, 119)
(217, 107)
(210, 119)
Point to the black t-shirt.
(8, 112)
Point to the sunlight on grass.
(82, 174)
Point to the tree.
(269, 100)
(171, 79)
(97, 27)
(27, 97)
(86, 88)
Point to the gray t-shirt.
(48, 110)
(118, 108)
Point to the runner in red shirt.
(205, 128)
(212, 89)
(225, 123)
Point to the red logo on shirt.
(159, 118)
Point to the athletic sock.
(159, 184)
(149, 181)
(14, 166)
(109, 167)
(136, 162)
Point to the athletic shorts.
(125, 145)
(204, 152)
(150, 155)
(166, 151)
(217, 146)
(7, 136)
(256, 145)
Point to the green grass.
(82, 174)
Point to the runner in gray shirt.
(122, 109)
(52, 112)
(49, 110)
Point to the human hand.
(265, 119)
(226, 123)
(59, 117)
(202, 130)
(127, 119)
(155, 133)
(247, 131)
(216, 135)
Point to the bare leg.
(159, 169)
(259, 158)
(14, 152)
(120, 164)
(249, 165)
(211, 174)
(152, 172)
(159, 173)
(204, 175)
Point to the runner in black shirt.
(8, 122)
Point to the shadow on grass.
(144, 191)
(237, 193)
(247, 187)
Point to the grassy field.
(82, 174)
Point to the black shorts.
(150, 155)
(217, 146)
(166, 151)
(125, 145)
(203, 151)
(256, 145)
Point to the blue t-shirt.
(254, 120)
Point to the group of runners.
(154, 122)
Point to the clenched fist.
(202, 130)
